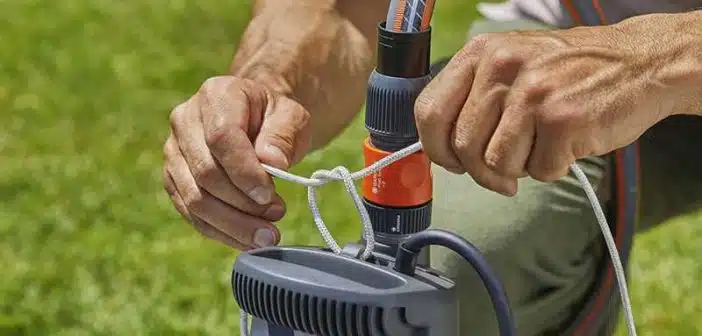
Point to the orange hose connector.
(405, 183)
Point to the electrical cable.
(407, 255)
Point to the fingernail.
(275, 152)
(264, 237)
(274, 212)
(261, 195)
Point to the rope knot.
(324, 176)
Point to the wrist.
(668, 48)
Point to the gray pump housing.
(315, 291)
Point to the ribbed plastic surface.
(308, 313)
(390, 106)
(399, 221)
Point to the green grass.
(90, 242)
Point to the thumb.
(284, 136)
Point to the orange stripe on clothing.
(600, 12)
(572, 11)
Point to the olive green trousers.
(545, 243)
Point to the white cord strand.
(611, 246)
(340, 173)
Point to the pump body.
(315, 291)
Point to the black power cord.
(406, 259)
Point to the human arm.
(319, 52)
(673, 50)
(297, 79)
(518, 104)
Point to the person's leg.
(544, 243)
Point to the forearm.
(670, 46)
(320, 52)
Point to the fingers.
(555, 148)
(210, 174)
(202, 227)
(509, 148)
(284, 135)
(210, 215)
(218, 147)
(479, 118)
(438, 106)
(551, 158)
(474, 127)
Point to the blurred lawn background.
(90, 243)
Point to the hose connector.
(399, 197)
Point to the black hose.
(407, 256)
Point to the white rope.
(611, 246)
(340, 173)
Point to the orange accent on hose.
(406, 182)
(399, 14)
(426, 17)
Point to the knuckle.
(478, 42)
(535, 87)
(505, 58)
(237, 169)
(471, 51)
(214, 85)
(194, 200)
(213, 90)
(473, 48)
(425, 108)
(204, 171)
(561, 118)
(177, 115)
(216, 135)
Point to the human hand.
(213, 155)
(510, 105)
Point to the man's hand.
(518, 104)
(300, 68)
(213, 156)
